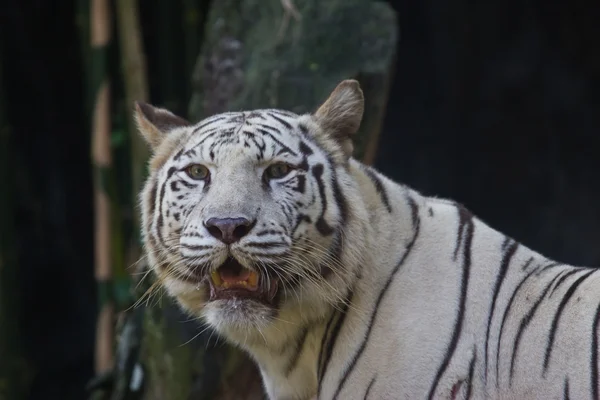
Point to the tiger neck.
(294, 368)
(299, 355)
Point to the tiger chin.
(342, 284)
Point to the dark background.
(494, 103)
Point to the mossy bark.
(256, 54)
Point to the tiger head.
(245, 215)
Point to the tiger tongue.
(232, 276)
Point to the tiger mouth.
(234, 281)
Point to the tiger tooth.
(253, 279)
(216, 278)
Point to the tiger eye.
(197, 171)
(277, 171)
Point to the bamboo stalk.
(136, 88)
(100, 26)
(133, 65)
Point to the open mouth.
(233, 281)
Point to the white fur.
(407, 347)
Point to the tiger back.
(343, 284)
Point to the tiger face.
(244, 213)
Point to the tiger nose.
(228, 230)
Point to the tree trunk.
(291, 54)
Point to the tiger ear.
(154, 123)
(341, 114)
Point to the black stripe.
(256, 114)
(236, 118)
(195, 246)
(461, 227)
(327, 347)
(407, 251)
(509, 252)
(370, 387)
(566, 389)
(300, 184)
(505, 316)
(265, 245)
(527, 264)
(285, 113)
(151, 204)
(298, 347)
(563, 279)
(268, 232)
(281, 121)
(208, 122)
(160, 221)
(187, 184)
(471, 371)
(303, 128)
(305, 149)
(206, 136)
(466, 220)
(192, 234)
(306, 152)
(557, 316)
(379, 187)
(594, 357)
(178, 154)
(340, 200)
(414, 215)
(322, 225)
(223, 133)
(285, 148)
(523, 325)
(261, 147)
(174, 187)
(269, 127)
(324, 342)
(287, 212)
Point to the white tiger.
(343, 284)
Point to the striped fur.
(386, 293)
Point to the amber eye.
(197, 172)
(278, 170)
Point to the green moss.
(168, 363)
